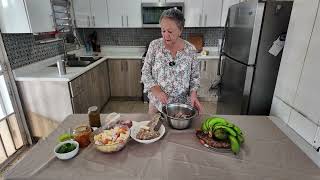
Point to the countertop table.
(266, 154)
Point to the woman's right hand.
(159, 94)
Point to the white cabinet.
(299, 32)
(203, 13)
(91, 13)
(225, 8)
(161, 1)
(124, 13)
(308, 98)
(303, 126)
(280, 109)
(26, 16)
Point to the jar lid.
(81, 129)
(92, 108)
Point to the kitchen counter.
(41, 72)
(267, 154)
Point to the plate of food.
(146, 132)
(221, 135)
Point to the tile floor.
(140, 107)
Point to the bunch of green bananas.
(222, 129)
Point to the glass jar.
(94, 116)
(82, 135)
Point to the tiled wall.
(142, 36)
(22, 50)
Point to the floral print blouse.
(176, 81)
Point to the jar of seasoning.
(82, 135)
(94, 116)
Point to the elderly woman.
(171, 72)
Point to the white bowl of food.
(138, 126)
(66, 149)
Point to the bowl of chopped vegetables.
(111, 140)
(66, 149)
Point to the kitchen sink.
(82, 62)
(75, 64)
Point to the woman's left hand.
(195, 102)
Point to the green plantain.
(237, 129)
(235, 146)
(227, 129)
(240, 138)
(221, 134)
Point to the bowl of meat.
(179, 116)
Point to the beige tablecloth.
(266, 154)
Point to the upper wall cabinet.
(26, 16)
(225, 8)
(124, 13)
(161, 1)
(91, 13)
(203, 13)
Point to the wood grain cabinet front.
(125, 78)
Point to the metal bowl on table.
(179, 116)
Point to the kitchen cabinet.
(208, 73)
(303, 126)
(47, 103)
(225, 7)
(203, 13)
(90, 89)
(124, 13)
(26, 16)
(125, 78)
(161, 1)
(300, 27)
(307, 96)
(91, 13)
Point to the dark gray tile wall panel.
(142, 36)
(22, 50)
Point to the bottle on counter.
(82, 135)
(94, 117)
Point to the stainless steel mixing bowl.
(170, 114)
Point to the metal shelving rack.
(62, 16)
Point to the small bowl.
(180, 123)
(69, 155)
(109, 148)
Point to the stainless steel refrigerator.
(247, 71)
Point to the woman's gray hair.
(174, 14)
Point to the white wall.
(297, 95)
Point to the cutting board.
(196, 40)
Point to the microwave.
(151, 12)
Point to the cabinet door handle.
(200, 65)
(94, 21)
(88, 21)
(205, 20)
(200, 19)
(122, 20)
(205, 66)
(127, 21)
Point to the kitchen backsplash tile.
(142, 36)
(22, 49)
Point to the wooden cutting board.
(196, 40)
